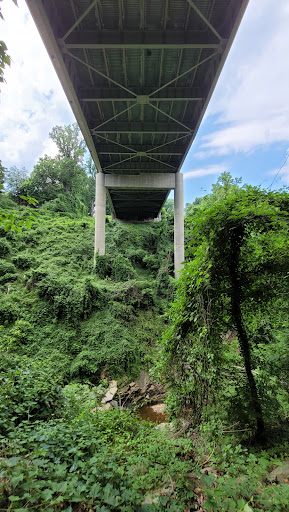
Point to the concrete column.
(179, 224)
(100, 210)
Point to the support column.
(100, 209)
(179, 224)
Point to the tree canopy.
(65, 182)
(69, 142)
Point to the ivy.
(237, 267)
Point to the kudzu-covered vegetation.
(56, 306)
(217, 339)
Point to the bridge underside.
(138, 75)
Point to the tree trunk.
(236, 288)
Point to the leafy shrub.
(136, 255)
(25, 392)
(8, 278)
(66, 203)
(6, 268)
(7, 272)
(5, 247)
(72, 300)
(97, 461)
(6, 202)
(106, 343)
(29, 236)
(23, 260)
(9, 309)
(102, 266)
(151, 261)
(122, 269)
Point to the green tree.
(64, 179)
(14, 180)
(90, 168)
(69, 142)
(60, 179)
(225, 184)
(2, 176)
(237, 268)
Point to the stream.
(155, 413)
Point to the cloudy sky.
(246, 127)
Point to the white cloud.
(205, 171)
(251, 101)
(32, 100)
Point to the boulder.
(111, 392)
(142, 391)
(280, 473)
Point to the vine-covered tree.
(236, 280)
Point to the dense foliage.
(56, 306)
(227, 344)
(69, 322)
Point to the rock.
(159, 408)
(208, 470)
(105, 407)
(143, 379)
(143, 391)
(110, 393)
(165, 427)
(195, 482)
(166, 490)
(114, 404)
(280, 473)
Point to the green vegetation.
(5, 59)
(69, 323)
(81, 319)
(236, 279)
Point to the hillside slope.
(83, 320)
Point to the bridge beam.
(141, 181)
(158, 181)
(142, 39)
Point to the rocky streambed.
(143, 395)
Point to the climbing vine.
(232, 278)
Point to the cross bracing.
(139, 75)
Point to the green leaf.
(13, 461)
(14, 481)
(47, 494)
(95, 491)
(14, 498)
(247, 508)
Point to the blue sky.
(246, 127)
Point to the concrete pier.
(100, 209)
(147, 182)
(179, 224)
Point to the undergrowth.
(55, 305)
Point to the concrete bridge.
(138, 75)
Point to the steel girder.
(138, 74)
